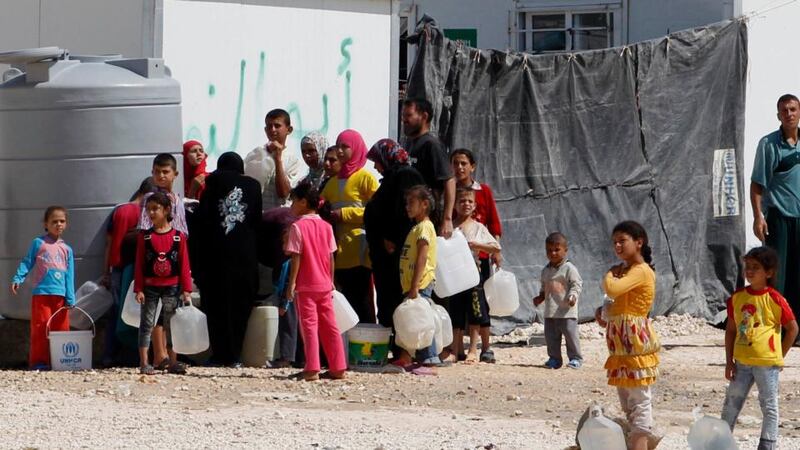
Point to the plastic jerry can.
(346, 317)
(710, 433)
(132, 311)
(261, 338)
(501, 293)
(455, 267)
(601, 433)
(414, 324)
(189, 331)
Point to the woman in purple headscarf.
(387, 223)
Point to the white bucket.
(70, 350)
(368, 345)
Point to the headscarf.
(231, 161)
(320, 143)
(388, 153)
(352, 139)
(191, 172)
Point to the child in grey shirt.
(561, 287)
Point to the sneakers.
(574, 364)
(553, 363)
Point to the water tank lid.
(30, 55)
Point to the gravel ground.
(514, 404)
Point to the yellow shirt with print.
(758, 316)
(423, 231)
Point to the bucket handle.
(47, 328)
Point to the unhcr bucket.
(368, 345)
(70, 350)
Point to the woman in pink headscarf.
(348, 194)
(194, 169)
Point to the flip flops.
(488, 357)
(147, 370)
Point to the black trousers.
(356, 285)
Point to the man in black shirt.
(429, 156)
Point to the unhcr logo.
(70, 349)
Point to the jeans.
(169, 296)
(766, 378)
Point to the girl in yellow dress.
(633, 345)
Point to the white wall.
(773, 71)
(237, 61)
(85, 26)
(649, 19)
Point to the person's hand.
(14, 288)
(276, 150)
(730, 370)
(105, 280)
(290, 293)
(497, 259)
(447, 228)
(187, 298)
(336, 215)
(598, 316)
(389, 246)
(70, 305)
(472, 245)
(538, 300)
(760, 228)
(413, 293)
(618, 270)
(572, 301)
(140, 297)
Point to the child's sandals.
(163, 365)
(178, 368)
(147, 370)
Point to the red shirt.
(123, 218)
(162, 242)
(486, 210)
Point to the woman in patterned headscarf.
(387, 224)
(313, 147)
(227, 270)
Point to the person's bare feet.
(472, 357)
(310, 376)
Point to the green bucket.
(368, 345)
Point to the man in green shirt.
(775, 196)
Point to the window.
(564, 31)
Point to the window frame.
(526, 31)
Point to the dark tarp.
(578, 142)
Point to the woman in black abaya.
(227, 271)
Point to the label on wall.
(468, 36)
(725, 183)
(235, 62)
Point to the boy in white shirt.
(272, 164)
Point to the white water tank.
(79, 132)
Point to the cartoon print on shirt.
(232, 209)
(745, 328)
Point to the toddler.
(561, 286)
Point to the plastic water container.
(189, 331)
(455, 267)
(368, 346)
(94, 300)
(601, 433)
(132, 311)
(447, 325)
(70, 350)
(414, 324)
(261, 338)
(346, 317)
(501, 293)
(437, 322)
(710, 433)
